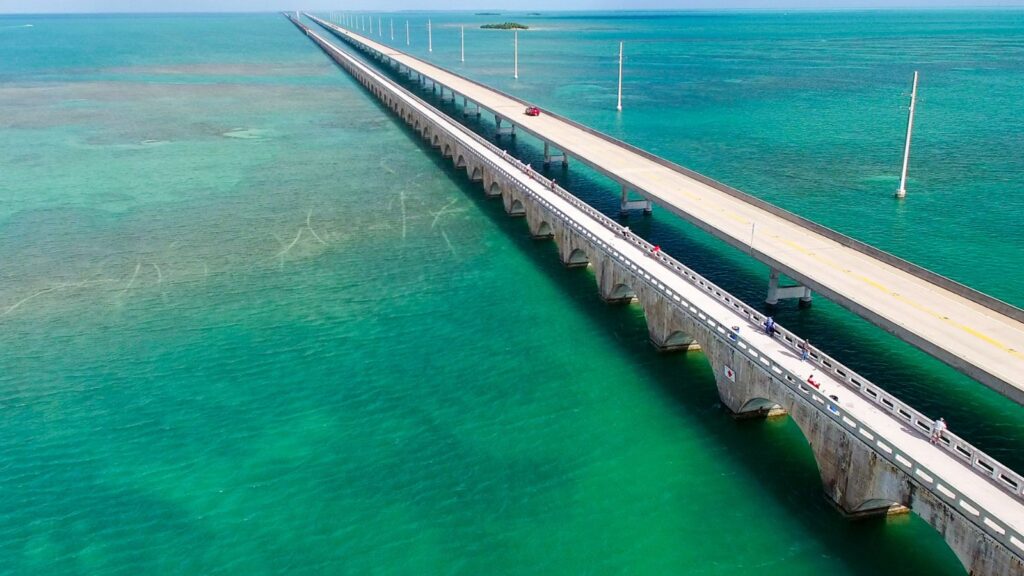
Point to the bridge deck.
(977, 340)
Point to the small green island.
(506, 26)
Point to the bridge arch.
(494, 189)
(620, 292)
(543, 230)
(435, 141)
(760, 407)
(447, 153)
(476, 173)
(514, 207)
(577, 257)
(678, 339)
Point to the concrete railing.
(1003, 477)
(944, 282)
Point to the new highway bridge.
(976, 334)
(872, 450)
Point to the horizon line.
(543, 12)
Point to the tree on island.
(506, 26)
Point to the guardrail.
(988, 467)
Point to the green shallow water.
(252, 326)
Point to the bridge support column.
(776, 292)
(628, 204)
(502, 130)
(549, 157)
(467, 109)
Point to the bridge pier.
(549, 157)
(615, 284)
(466, 110)
(513, 203)
(776, 292)
(500, 130)
(667, 328)
(539, 221)
(627, 204)
(574, 251)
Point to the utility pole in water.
(462, 43)
(515, 57)
(406, 32)
(902, 191)
(619, 105)
(430, 38)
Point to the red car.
(532, 111)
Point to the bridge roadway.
(972, 332)
(893, 431)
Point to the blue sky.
(38, 6)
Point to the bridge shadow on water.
(773, 451)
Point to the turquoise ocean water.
(250, 325)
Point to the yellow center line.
(881, 287)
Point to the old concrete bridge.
(872, 450)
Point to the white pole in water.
(902, 192)
(430, 37)
(462, 43)
(515, 60)
(380, 27)
(406, 32)
(619, 105)
(392, 29)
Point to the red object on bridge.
(532, 111)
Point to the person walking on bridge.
(805, 349)
(938, 427)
